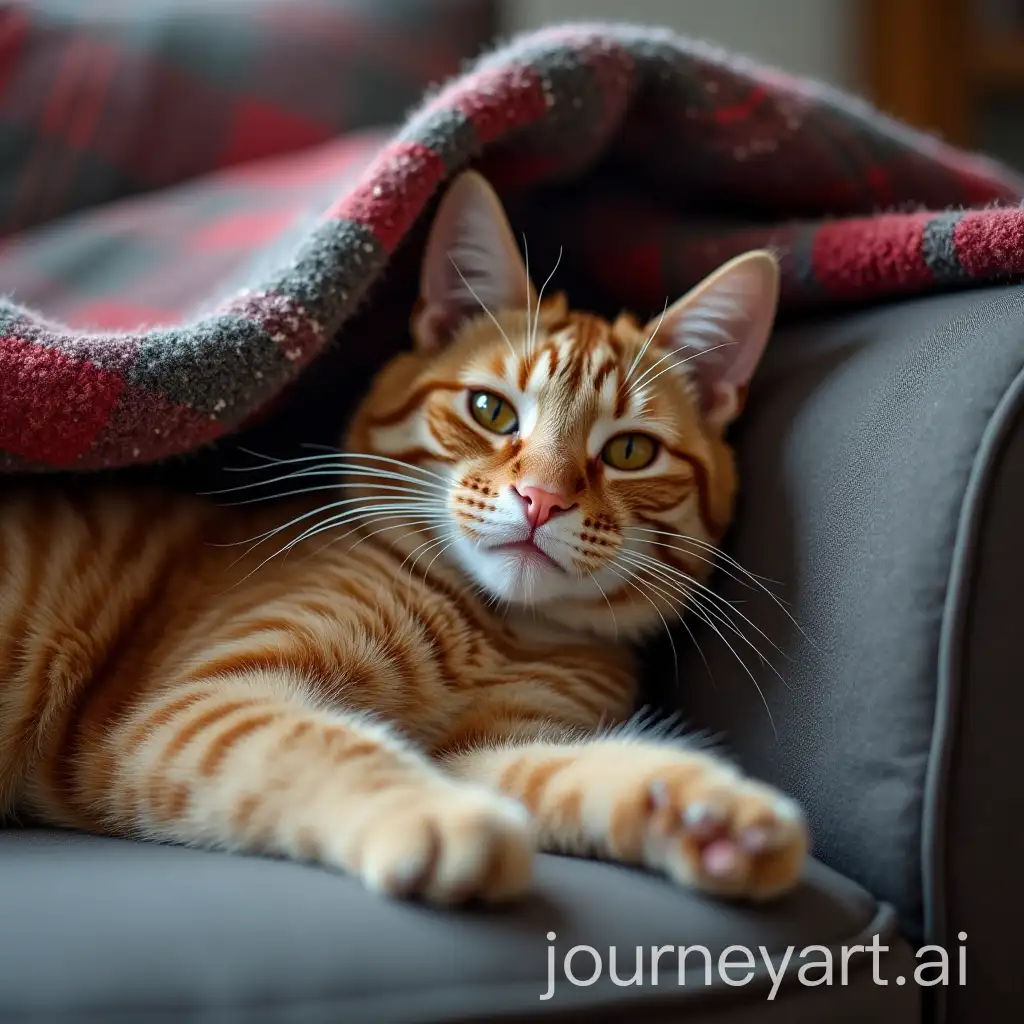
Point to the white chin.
(519, 577)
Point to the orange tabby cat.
(426, 701)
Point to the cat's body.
(418, 689)
(100, 614)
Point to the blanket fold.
(647, 157)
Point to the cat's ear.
(719, 330)
(471, 263)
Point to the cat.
(443, 682)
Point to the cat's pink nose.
(542, 505)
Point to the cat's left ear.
(720, 328)
(471, 263)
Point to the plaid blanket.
(148, 328)
(100, 99)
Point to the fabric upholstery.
(974, 794)
(677, 122)
(97, 930)
(881, 468)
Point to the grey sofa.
(883, 473)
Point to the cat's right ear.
(471, 263)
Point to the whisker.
(645, 381)
(673, 604)
(671, 354)
(704, 617)
(756, 581)
(394, 503)
(644, 347)
(692, 587)
(423, 548)
(333, 461)
(355, 470)
(431, 522)
(267, 534)
(705, 589)
(540, 296)
(332, 487)
(757, 686)
(706, 609)
(298, 474)
(426, 572)
(333, 470)
(494, 319)
(432, 542)
(700, 650)
(270, 460)
(674, 607)
(701, 604)
(423, 506)
(702, 558)
(378, 458)
(710, 622)
(529, 287)
(332, 522)
(613, 567)
(702, 544)
(615, 621)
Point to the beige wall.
(811, 37)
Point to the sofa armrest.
(882, 476)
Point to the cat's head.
(563, 462)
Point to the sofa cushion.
(881, 466)
(98, 929)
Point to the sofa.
(882, 467)
(882, 463)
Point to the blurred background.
(104, 100)
(953, 67)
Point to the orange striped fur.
(396, 696)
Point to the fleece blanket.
(149, 328)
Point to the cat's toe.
(735, 838)
(454, 848)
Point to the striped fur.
(388, 697)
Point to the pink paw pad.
(722, 856)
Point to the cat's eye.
(493, 412)
(630, 451)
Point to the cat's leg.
(253, 763)
(648, 802)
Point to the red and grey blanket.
(147, 327)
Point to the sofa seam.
(960, 584)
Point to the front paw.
(708, 827)
(449, 844)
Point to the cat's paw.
(719, 832)
(450, 844)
